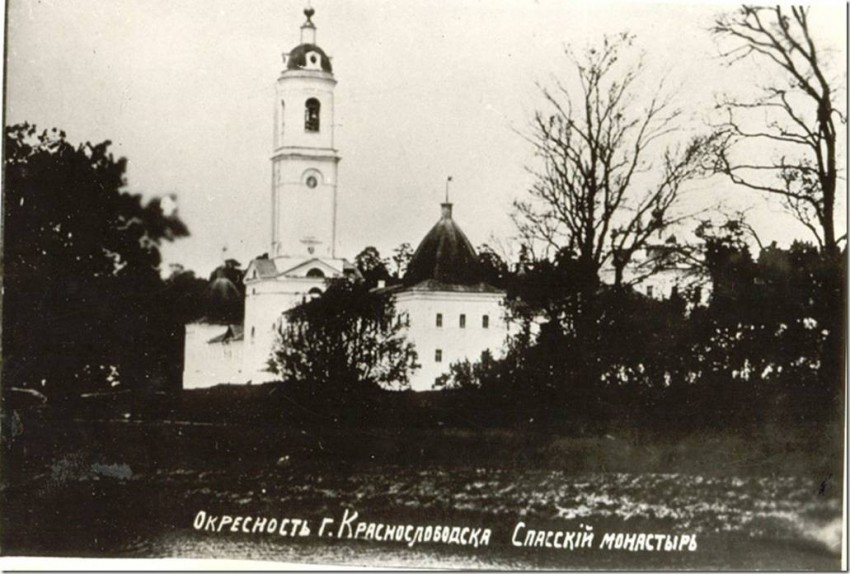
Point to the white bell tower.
(303, 255)
(304, 161)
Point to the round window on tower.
(312, 182)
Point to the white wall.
(301, 211)
(206, 365)
(456, 343)
(267, 299)
(660, 285)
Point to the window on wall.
(462, 321)
(438, 356)
(439, 319)
(649, 290)
(314, 293)
(311, 115)
(315, 273)
(485, 321)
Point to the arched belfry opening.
(312, 110)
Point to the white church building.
(451, 314)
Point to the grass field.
(132, 488)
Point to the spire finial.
(308, 29)
(448, 180)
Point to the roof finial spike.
(448, 180)
(308, 29)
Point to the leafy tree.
(494, 269)
(467, 375)
(348, 338)
(797, 117)
(400, 258)
(81, 268)
(728, 262)
(184, 292)
(372, 267)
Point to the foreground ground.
(125, 488)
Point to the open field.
(132, 488)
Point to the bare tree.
(607, 180)
(797, 117)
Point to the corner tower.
(304, 160)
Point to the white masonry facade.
(448, 320)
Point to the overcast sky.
(427, 89)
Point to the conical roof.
(445, 255)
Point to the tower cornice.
(306, 153)
(312, 74)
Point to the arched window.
(315, 273)
(315, 293)
(311, 115)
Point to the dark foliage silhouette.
(348, 338)
(83, 303)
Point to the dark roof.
(233, 333)
(221, 292)
(298, 57)
(445, 256)
(265, 268)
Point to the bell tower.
(304, 160)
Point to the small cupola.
(307, 55)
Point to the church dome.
(222, 301)
(308, 56)
(445, 255)
(221, 292)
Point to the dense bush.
(350, 338)
(763, 351)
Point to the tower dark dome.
(307, 55)
(298, 58)
(445, 255)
